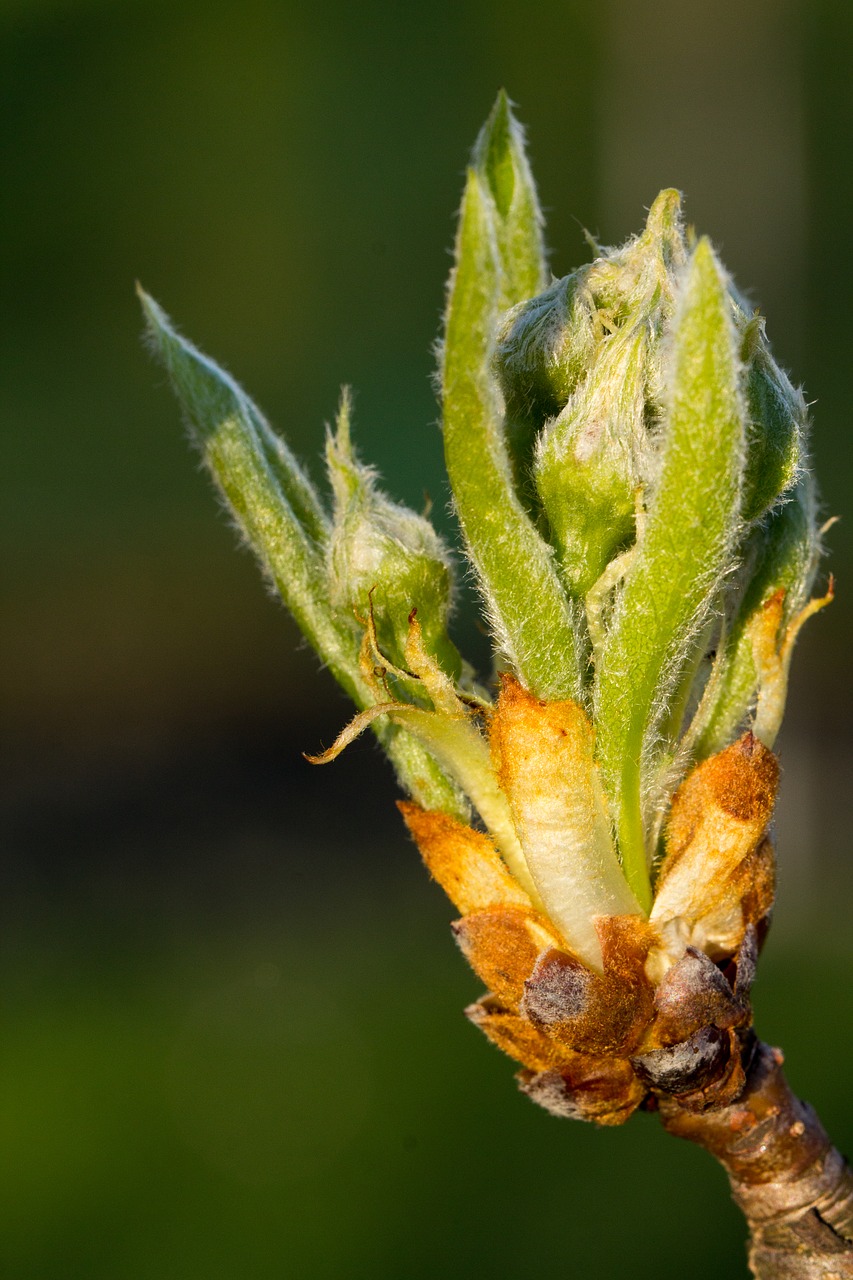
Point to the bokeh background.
(232, 1042)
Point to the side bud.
(386, 558)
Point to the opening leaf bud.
(282, 519)
(628, 468)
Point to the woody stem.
(794, 1187)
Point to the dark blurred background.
(232, 1042)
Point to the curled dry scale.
(629, 472)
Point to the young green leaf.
(528, 608)
(686, 548)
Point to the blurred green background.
(232, 1041)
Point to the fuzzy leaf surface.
(528, 608)
(685, 549)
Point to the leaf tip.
(497, 153)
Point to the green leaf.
(528, 609)
(292, 480)
(685, 549)
(500, 161)
(225, 426)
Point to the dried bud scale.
(630, 474)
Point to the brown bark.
(794, 1188)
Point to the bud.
(595, 460)
(385, 558)
(588, 463)
(628, 467)
(589, 351)
(282, 518)
(547, 345)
